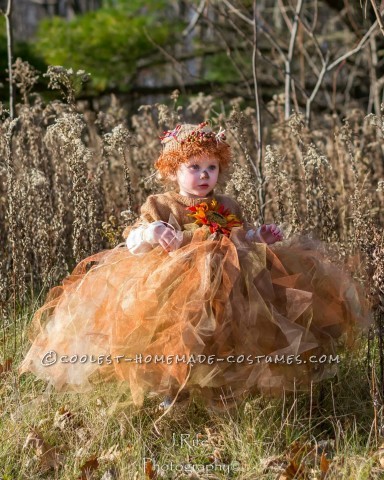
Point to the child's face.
(197, 177)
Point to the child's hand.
(162, 235)
(269, 234)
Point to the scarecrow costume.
(220, 317)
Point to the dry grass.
(70, 180)
(328, 433)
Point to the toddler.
(198, 301)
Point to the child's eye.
(194, 167)
(212, 167)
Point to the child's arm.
(265, 234)
(153, 229)
(139, 239)
(144, 238)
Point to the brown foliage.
(72, 179)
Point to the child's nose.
(204, 174)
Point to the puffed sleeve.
(137, 242)
(152, 213)
(149, 212)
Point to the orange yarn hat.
(188, 140)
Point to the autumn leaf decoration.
(215, 216)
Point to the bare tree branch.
(315, 90)
(351, 79)
(195, 18)
(265, 29)
(8, 23)
(293, 82)
(374, 94)
(178, 67)
(378, 16)
(359, 46)
(327, 68)
(288, 61)
(237, 12)
(284, 14)
(314, 22)
(228, 50)
(257, 104)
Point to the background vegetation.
(298, 89)
(136, 50)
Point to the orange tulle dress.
(220, 317)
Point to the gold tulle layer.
(218, 317)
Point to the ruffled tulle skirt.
(220, 318)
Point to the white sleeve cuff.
(137, 243)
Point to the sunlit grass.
(327, 433)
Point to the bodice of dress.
(171, 207)
(161, 206)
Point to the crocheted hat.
(188, 140)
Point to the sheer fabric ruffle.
(220, 317)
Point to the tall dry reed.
(71, 179)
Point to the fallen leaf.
(88, 468)
(379, 455)
(324, 465)
(83, 434)
(110, 455)
(51, 458)
(296, 469)
(272, 464)
(48, 457)
(109, 475)
(129, 448)
(290, 472)
(6, 367)
(217, 456)
(150, 472)
(100, 402)
(62, 418)
(297, 450)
